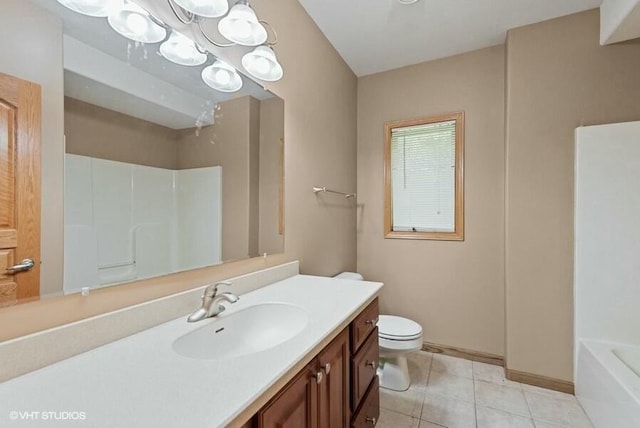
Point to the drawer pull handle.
(318, 377)
(371, 364)
(372, 420)
(327, 368)
(372, 322)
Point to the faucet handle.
(212, 289)
(223, 283)
(218, 284)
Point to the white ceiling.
(379, 35)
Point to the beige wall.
(455, 290)
(271, 133)
(319, 92)
(558, 78)
(31, 46)
(105, 134)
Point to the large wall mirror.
(162, 173)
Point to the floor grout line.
(475, 401)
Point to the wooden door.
(19, 188)
(333, 396)
(296, 406)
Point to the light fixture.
(133, 22)
(222, 77)
(241, 26)
(182, 50)
(262, 64)
(205, 8)
(96, 8)
(407, 1)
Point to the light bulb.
(262, 65)
(205, 8)
(242, 29)
(222, 77)
(96, 8)
(133, 22)
(182, 50)
(241, 26)
(137, 24)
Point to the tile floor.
(456, 393)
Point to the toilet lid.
(392, 327)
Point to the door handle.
(318, 377)
(327, 368)
(25, 265)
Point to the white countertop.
(140, 381)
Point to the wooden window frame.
(458, 233)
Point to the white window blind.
(423, 177)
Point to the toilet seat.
(397, 328)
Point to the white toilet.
(397, 337)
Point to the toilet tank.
(350, 275)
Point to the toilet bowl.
(397, 338)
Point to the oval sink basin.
(250, 330)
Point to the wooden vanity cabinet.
(296, 405)
(365, 354)
(369, 411)
(333, 395)
(327, 392)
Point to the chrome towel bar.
(317, 190)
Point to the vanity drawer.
(363, 325)
(363, 368)
(369, 412)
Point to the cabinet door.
(295, 406)
(333, 411)
(369, 412)
(363, 368)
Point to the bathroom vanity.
(299, 352)
(339, 387)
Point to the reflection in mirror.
(162, 172)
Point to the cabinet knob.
(327, 368)
(371, 420)
(371, 364)
(318, 377)
(372, 322)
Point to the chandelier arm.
(273, 30)
(209, 39)
(190, 17)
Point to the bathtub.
(608, 383)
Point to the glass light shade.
(205, 8)
(262, 64)
(97, 8)
(222, 77)
(182, 50)
(133, 22)
(241, 26)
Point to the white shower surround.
(125, 222)
(607, 273)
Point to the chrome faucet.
(211, 300)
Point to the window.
(423, 174)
